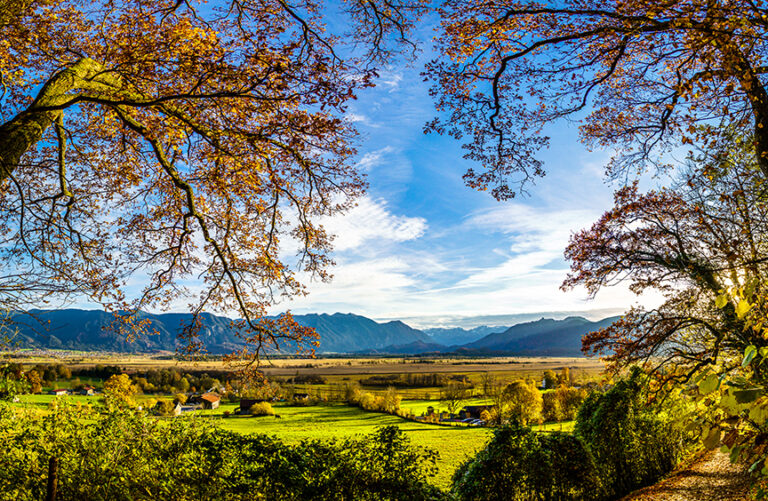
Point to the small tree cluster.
(389, 402)
(562, 404)
(521, 401)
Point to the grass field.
(454, 444)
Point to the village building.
(87, 390)
(179, 409)
(474, 411)
(59, 392)
(206, 400)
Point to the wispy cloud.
(373, 159)
(371, 221)
(390, 79)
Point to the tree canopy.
(180, 143)
(642, 77)
(692, 242)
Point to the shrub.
(519, 464)
(186, 459)
(164, 408)
(262, 409)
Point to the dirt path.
(710, 478)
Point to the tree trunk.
(757, 95)
(53, 479)
(24, 130)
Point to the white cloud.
(391, 79)
(371, 221)
(373, 159)
(362, 287)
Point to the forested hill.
(542, 337)
(93, 330)
(346, 332)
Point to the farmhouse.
(58, 392)
(206, 400)
(474, 411)
(87, 390)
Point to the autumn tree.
(550, 379)
(640, 76)
(692, 242)
(569, 400)
(35, 381)
(551, 408)
(523, 401)
(453, 395)
(179, 141)
(119, 390)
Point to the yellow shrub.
(262, 409)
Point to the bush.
(262, 409)
(164, 408)
(122, 455)
(520, 464)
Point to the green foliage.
(164, 407)
(119, 391)
(519, 464)
(632, 444)
(523, 401)
(551, 409)
(12, 382)
(123, 455)
(550, 380)
(562, 404)
(262, 409)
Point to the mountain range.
(93, 330)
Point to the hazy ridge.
(93, 330)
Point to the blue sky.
(424, 248)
